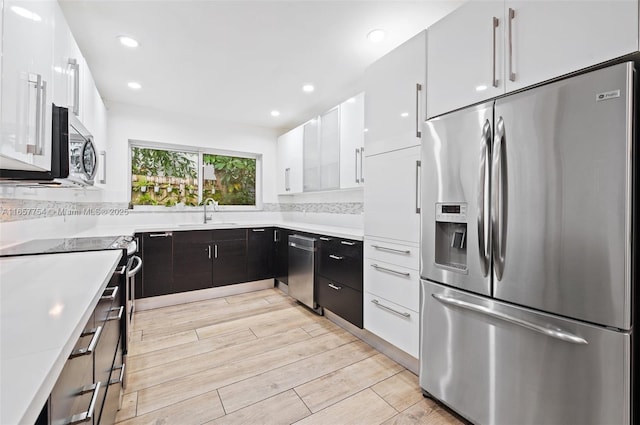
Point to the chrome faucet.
(204, 204)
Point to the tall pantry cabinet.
(395, 108)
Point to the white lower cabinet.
(394, 323)
(394, 283)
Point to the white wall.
(127, 122)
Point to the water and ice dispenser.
(451, 236)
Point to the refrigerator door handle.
(499, 200)
(483, 189)
(553, 333)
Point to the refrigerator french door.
(526, 311)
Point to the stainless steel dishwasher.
(302, 253)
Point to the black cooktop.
(53, 246)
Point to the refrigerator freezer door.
(561, 212)
(455, 161)
(495, 363)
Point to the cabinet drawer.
(340, 299)
(395, 324)
(393, 253)
(341, 247)
(395, 283)
(229, 234)
(341, 268)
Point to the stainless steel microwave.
(74, 155)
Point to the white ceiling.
(239, 60)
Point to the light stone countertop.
(45, 302)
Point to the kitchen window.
(178, 176)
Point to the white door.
(553, 38)
(352, 142)
(392, 195)
(395, 105)
(28, 34)
(465, 57)
(289, 174)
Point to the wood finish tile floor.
(261, 358)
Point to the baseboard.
(391, 351)
(202, 294)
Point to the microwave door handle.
(499, 200)
(483, 187)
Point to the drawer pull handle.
(348, 243)
(257, 230)
(92, 345)
(121, 379)
(160, 235)
(377, 267)
(399, 251)
(376, 302)
(118, 316)
(337, 288)
(323, 238)
(335, 257)
(114, 292)
(88, 415)
(121, 270)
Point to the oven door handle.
(133, 271)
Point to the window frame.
(200, 151)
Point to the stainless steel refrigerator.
(527, 258)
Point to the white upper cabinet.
(289, 175)
(488, 48)
(67, 67)
(465, 57)
(27, 41)
(395, 97)
(352, 142)
(552, 38)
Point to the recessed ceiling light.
(376, 36)
(134, 85)
(25, 13)
(481, 88)
(308, 88)
(128, 41)
(275, 113)
(404, 114)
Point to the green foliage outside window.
(164, 177)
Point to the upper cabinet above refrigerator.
(395, 104)
(488, 48)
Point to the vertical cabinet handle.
(40, 119)
(75, 66)
(209, 251)
(215, 251)
(276, 235)
(418, 167)
(357, 175)
(496, 22)
(287, 180)
(512, 15)
(362, 165)
(418, 89)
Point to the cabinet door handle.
(257, 230)
(287, 172)
(393, 310)
(324, 238)
(496, 22)
(377, 267)
(118, 316)
(209, 251)
(276, 235)
(92, 345)
(88, 415)
(112, 296)
(384, 248)
(120, 380)
(337, 288)
(41, 102)
(362, 165)
(160, 235)
(512, 15)
(357, 175)
(335, 257)
(73, 64)
(215, 251)
(418, 89)
(418, 169)
(348, 243)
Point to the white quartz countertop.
(114, 230)
(45, 302)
